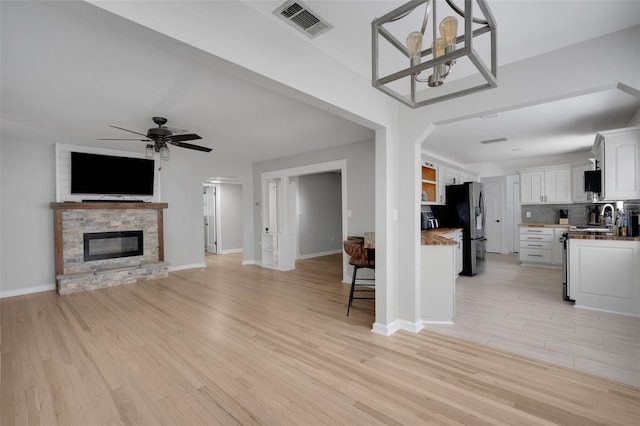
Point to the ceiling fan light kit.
(433, 64)
(157, 139)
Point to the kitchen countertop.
(599, 236)
(580, 235)
(543, 225)
(433, 237)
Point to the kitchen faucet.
(604, 208)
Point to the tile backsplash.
(578, 213)
(550, 213)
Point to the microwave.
(593, 181)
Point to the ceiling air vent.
(299, 16)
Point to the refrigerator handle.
(482, 211)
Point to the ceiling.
(97, 69)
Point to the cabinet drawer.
(539, 238)
(545, 245)
(536, 231)
(535, 255)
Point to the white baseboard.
(183, 267)
(229, 251)
(388, 330)
(439, 322)
(323, 253)
(28, 290)
(250, 262)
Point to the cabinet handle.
(545, 198)
(534, 230)
(534, 245)
(534, 238)
(534, 255)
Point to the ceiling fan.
(159, 137)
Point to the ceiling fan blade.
(182, 138)
(127, 130)
(175, 130)
(190, 146)
(141, 140)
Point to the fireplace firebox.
(109, 245)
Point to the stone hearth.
(73, 220)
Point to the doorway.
(223, 226)
(281, 247)
(210, 218)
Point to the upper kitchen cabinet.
(618, 154)
(436, 177)
(451, 176)
(549, 185)
(430, 185)
(578, 194)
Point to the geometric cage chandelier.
(432, 50)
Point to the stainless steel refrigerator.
(465, 209)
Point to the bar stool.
(359, 257)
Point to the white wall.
(28, 188)
(320, 213)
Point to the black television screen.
(106, 174)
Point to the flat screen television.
(110, 175)
(593, 181)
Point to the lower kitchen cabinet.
(535, 245)
(605, 275)
(541, 246)
(457, 237)
(438, 283)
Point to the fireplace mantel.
(107, 205)
(73, 219)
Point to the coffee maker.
(428, 220)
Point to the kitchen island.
(604, 272)
(438, 276)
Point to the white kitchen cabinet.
(605, 275)
(557, 249)
(430, 183)
(452, 176)
(457, 237)
(619, 153)
(531, 187)
(436, 177)
(578, 194)
(438, 283)
(550, 185)
(536, 245)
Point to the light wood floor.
(520, 309)
(245, 345)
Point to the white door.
(517, 217)
(493, 211)
(210, 225)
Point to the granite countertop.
(433, 237)
(599, 236)
(580, 235)
(543, 225)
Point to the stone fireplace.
(107, 244)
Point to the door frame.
(288, 222)
(216, 215)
